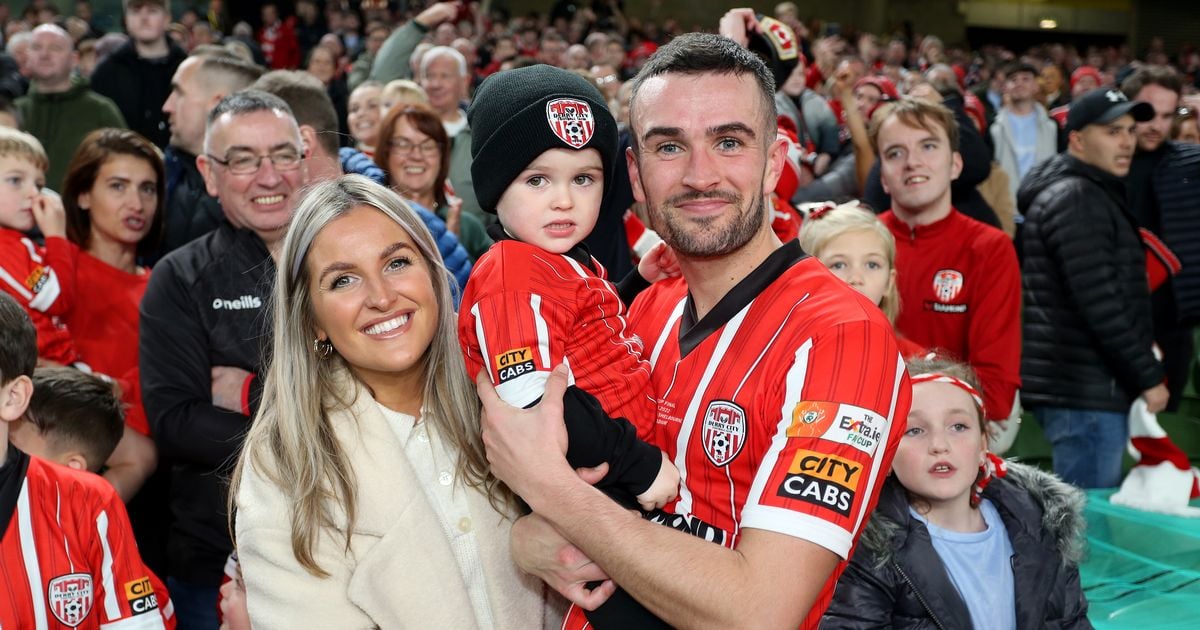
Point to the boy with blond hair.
(40, 278)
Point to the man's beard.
(702, 239)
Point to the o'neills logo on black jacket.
(237, 304)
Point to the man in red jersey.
(781, 395)
(959, 282)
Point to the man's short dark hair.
(705, 53)
(1018, 67)
(1162, 76)
(223, 71)
(242, 103)
(18, 341)
(918, 113)
(133, 5)
(74, 410)
(309, 100)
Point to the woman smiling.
(363, 493)
(414, 150)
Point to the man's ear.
(635, 175)
(205, 166)
(956, 165)
(308, 135)
(776, 158)
(14, 398)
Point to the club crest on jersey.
(571, 120)
(947, 283)
(723, 431)
(70, 598)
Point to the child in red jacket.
(41, 279)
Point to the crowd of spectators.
(1034, 214)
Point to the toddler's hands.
(659, 263)
(664, 488)
(49, 215)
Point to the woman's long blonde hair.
(291, 441)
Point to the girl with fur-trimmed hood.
(960, 538)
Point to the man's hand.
(659, 263)
(526, 446)
(664, 488)
(737, 24)
(438, 13)
(541, 551)
(1156, 398)
(49, 215)
(926, 92)
(227, 383)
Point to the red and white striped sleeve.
(519, 337)
(842, 407)
(125, 597)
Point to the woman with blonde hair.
(363, 495)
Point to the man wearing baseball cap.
(1087, 323)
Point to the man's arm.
(713, 586)
(392, 60)
(1081, 248)
(994, 332)
(177, 377)
(134, 459)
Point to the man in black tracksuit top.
(203, 327)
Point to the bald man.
(60, 109)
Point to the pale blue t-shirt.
(1024, 133)
(980, 567)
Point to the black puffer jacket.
(1087, 323)
(894, 580)
(1177, 189)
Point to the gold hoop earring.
(322, 347)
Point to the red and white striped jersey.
(67, 555)
(525, 310)
(42, 280)
(782, 407)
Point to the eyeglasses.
(246, 163)
(427, 148)
(1185, 112)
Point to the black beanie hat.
(519, 114)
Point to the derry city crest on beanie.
(519, 114)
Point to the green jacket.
(460, 175)
(472, 233)
(62, 119)
(392, 61)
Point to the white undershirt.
(452, 128)
(434, 468)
